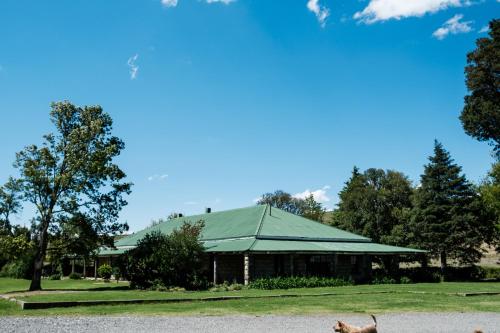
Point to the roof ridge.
(259, 227)
(257, 232)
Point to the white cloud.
(484, 29)
(321, 12)
(382, 10)
(133, 67)
(158, 177)
(453, 26)
(169, 3)
(319, 195)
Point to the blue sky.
(221, 101)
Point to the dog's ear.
(340, 323)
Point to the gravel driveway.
(388, 323)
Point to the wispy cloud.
(133, 68)
(319, 195)
(484, 29)
(320, 11)
(453, 26)
(383, 10)
(226, 2)
(174, 3)
(169, 3)
(158, 177)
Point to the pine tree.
(446, 215)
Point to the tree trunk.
(443, 263)
(36, 281)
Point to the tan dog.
(342, 327)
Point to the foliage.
(491, 272)
(75, 276)
(20, 268)
(105, 271)
(448, 218)
(282, 200)
(490, 195)
(383, 280)
(308, 207)
(227, 287)
(375, 204)
(174, 259)
(17, 253)
(311, 209)
(10, 203)
(72, 174)
(55, 276)
(481, 113)
(298, 282)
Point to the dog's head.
(339, 326)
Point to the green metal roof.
(339, 247)
(264, 229)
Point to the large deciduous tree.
(448, 218)
(481, 113)
(373, 204)
(282, 200)
(308, 207)
(72, 174)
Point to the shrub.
(299, 282)
(175, 260)
(55, 276)
(105, 271)
(405, 280)
(75, 276)
(227, 287)
(21, 268)
(383, 280)
(491, 272)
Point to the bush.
(56, 276)
(299, 282)
(75, 276)
(491, 272)
(19, 269)
(175, 260)
(227, 287)
(405, 280)
(105, 271)
(383, 280)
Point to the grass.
(402, 298)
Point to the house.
(263, 241)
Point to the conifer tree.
(446, 218)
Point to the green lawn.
(402, 298)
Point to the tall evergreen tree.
(446, 218)
(481, 113)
